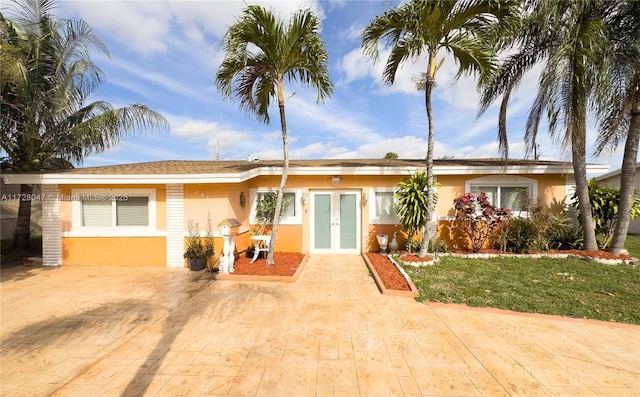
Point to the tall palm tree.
(261, 53)
(570, 40)
(424, 28)
(47, 77)
(622, 121)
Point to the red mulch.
(388, 272)
(415, 258)
(286, 264)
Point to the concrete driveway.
(87, 331)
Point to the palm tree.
(623, 119)
(570, 39)
(47, 78)
(261, 53)
(462, 29)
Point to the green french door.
(335, 221)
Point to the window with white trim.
(123, 211)
(114, 212)
(292, 214)
(382, 210)
(512, 192)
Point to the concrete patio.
(87, 331)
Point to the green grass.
(565, 287)
(632, 243)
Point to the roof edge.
(238, 177)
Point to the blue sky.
(165, 54)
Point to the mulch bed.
(415, 258)
(388, 272)
(286, 264)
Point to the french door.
(335, 221)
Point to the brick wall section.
(175, 225)
(51, 226)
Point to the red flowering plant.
(478, 219)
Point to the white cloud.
(317, 150)
(145, 27)
(330, 117)
(141, 26)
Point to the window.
(107, 212)
(292, 214)
(126, 211)
(382, 206)
(506, 191)
(288, 202)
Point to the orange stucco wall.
(114, 251)
(222, 201)
(218, 202)
(551, 192)
(66, 204)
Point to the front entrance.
(335, 222)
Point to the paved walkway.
(79, 331)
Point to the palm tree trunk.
(22, 234)
(627, 178)
(429, 84)
(578, 153)
(285, 173)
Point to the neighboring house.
(136, 214)
(612, 179)
(10, 201)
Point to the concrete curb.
(413, 293)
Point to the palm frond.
(261, 50)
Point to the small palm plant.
(412, 208)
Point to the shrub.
(564, 236)
(518, 235)
(412, 244)
(438, 245)
(478, 219)
(604, 203)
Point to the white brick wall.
(51, 226)
(175, 225)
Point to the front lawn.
(566, 287)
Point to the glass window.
(384, 205)
(99, 210)
(113, 212)
(288, 202)
(381, 203)
(292, 201)
(511, 197)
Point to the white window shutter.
(132, 212)
(96, 213)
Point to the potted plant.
(199, 249)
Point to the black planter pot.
(197, 264)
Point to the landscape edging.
(413, 293)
